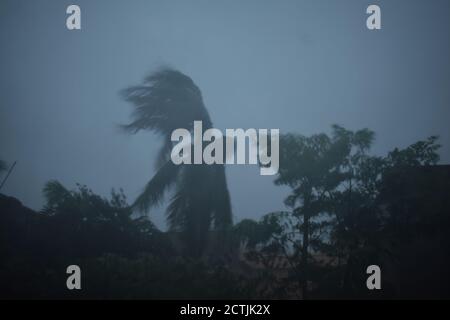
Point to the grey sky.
(294, 65)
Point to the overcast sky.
(299, 66)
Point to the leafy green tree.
(89, 224)
(317, 169)
(410, 177)
(168, 100)
(421, 153)
(349, 205)
(354, 210)
(313, 167)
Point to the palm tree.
(168, 100)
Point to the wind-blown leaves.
(55, 193)
(154, 191)
(169, 100)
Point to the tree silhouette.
(92, 225)
(352, 209)
(168, 100)
(314, 167)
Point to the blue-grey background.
(294, 65)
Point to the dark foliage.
(347, 210)
(120, 256)
(200, 201)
